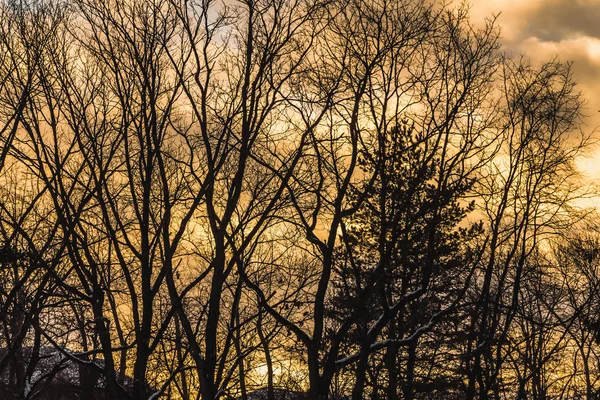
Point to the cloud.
(584, 51)
(565, 29)
(555, 20)
(548, 20)
(545, 29)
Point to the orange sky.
(567, 29)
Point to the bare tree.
(330, 198)
(527, 197)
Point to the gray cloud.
(567, 29)
(554, 20)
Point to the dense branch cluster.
(344, 199)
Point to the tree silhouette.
(305, 198)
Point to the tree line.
(363, 199)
